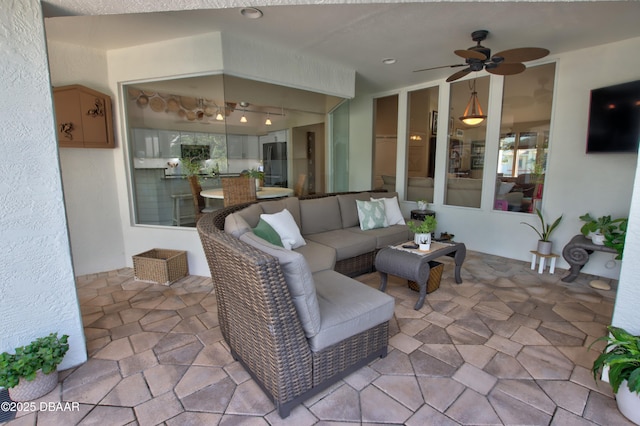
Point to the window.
(385, 121)
(222, 122)
(524, 139)
(466, 150)
(422, 126)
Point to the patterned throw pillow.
(372, 214)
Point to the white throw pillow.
(285, 225)
(392, 210)
(371, 214)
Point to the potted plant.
(258, 175)
(423, 229)
(544, 244)
(621, 356)
(31, 371)
(422, 204)
(605, 231)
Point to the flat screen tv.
(614, 118)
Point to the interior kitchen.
(225, 125)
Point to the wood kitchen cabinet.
(83, 117)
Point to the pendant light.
(243, 119)
(267, 122)
(219, 115)
(473, 114)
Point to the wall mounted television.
(614, 118)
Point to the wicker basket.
(433, 283)
(160, 266)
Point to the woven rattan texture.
(261, 326)
(238, 190)
(435, 275)
(160, 266)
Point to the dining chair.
(199, 203)
(237, 190)
(299, 188)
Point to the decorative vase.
(258, 184)
(423, 240)
(598, 239)
(29, 390)
(422, 205)
(628, 403)
(544, 247)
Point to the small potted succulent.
(423, 229)
(31, 371)
(544, 244)
(621, 356)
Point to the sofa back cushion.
(236, 225)
(251, 214)
(349, 209)
(320, 215)
(299, 280)
(290, 203)
(422, 182)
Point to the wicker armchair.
(260, 324)
(238, 190)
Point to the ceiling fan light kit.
(473, 114)
(478, 57)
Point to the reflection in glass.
(421, 143)
(466, 148)
(524, 139)
(193, 126)
(385, 122)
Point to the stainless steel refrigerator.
(274, 159)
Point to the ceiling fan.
(478, 57)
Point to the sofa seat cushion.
(347, 307)
(346, 244)
(318, 256)
(299, 280)
(391, 235)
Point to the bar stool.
(178, 217)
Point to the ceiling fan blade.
(470, 54)
(443, 66)
(522, 54)
(459, 74)
(507, 69)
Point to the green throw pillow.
(266, 232)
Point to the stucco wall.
(91, 198)
(37, 288)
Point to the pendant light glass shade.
(473, 114)
(219, 115)
(267, 122)
(243, 119)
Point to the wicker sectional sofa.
(293, 318)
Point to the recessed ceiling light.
(251, 13)
(389, 61)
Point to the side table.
(577, 252)
(414, 265)
(421, 214)
(543, 258)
